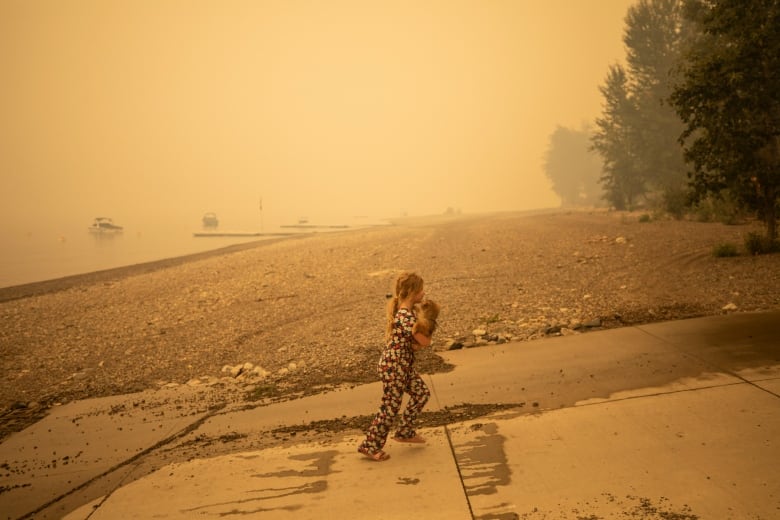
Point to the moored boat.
(210, 220)
(105, 226)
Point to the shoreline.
(62, 283)
(53, 285)
(310, 313)
(27, 290)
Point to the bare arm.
(421, 340)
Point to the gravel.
(296, 316)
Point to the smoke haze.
(157, 109)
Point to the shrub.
(726, 212)
(644, 218)
(724, 250)
(718, 208)
(757, 244)
(675, 202)
(753, 243)
(702, 212)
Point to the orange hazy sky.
(341, 107)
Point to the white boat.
(105, 226)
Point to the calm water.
(49, 253)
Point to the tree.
(729, 100)
(654, 36)
(614, 141)
(572, 168)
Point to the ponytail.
(392, 308)
(405, 284)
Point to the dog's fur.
(427, 313)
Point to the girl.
(396, 370)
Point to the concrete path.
(676, 420)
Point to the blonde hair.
(405, 285)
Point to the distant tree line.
(572, 168)
(692, 119)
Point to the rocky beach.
(283, 318)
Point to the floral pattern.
(396, 370)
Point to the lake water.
(48, 253)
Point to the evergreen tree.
(644, 127)
(614, 140)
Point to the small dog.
(427, 313)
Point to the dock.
(241, 234)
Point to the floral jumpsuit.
(396, 370)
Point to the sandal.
(413, 440)
(377, 456)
